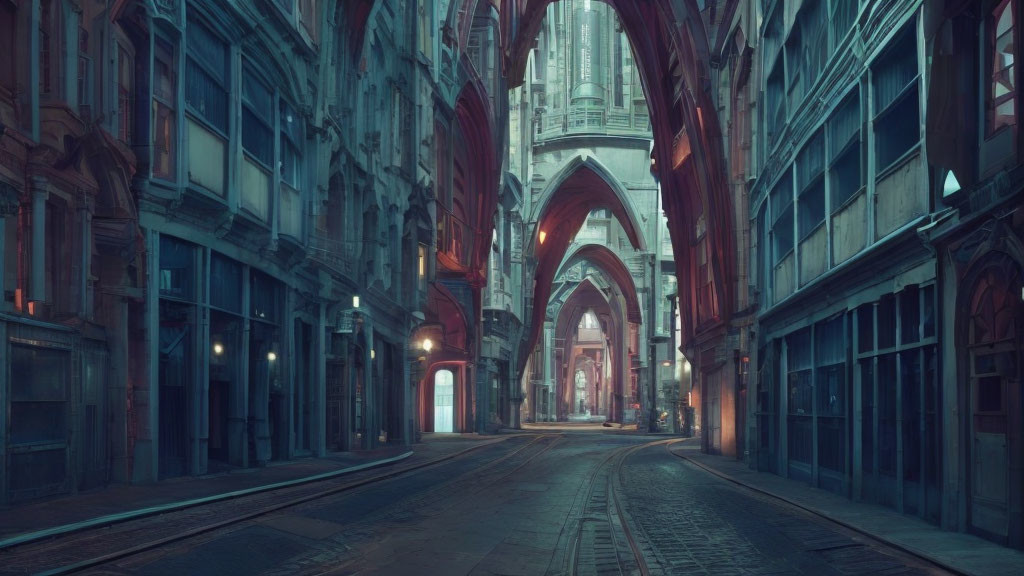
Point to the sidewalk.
(120, 499)
(955, 551)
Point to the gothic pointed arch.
(612, 265)
(673, 55)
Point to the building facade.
(884, 232)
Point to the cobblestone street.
(692, 522)
(552, 503)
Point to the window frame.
(225, 83)
(990, 39)
(163, 44)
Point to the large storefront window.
(900, 431)
(39, 426)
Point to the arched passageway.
(671, 50)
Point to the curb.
(913, 552)
(119, 517)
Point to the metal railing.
(590, 120)
(334, 254)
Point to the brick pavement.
(958, 552)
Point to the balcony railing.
(333, 254)
(590, 120)
(454, 236)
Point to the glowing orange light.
(31, 308)
(542, 236)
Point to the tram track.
(603, 541)
(94, 547)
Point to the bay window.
(292, 137)
(897, 123)
(207, 81)
(257, 145)
(165, 81)
(782, 211)
(125, 95)
(810, 166)
(844, 167)
(1001, 90)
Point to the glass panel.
(910, 315)
(844, 125)
(265, 297)
(910, 381)
(893, 73)
(990, 394)
(866, 328)
(257, 138)
(887, 322)
(845, 177)
(887, 414)
(207, 49)
(811, 161)
(812, 208)
(867, 402)
(206, 96)
(177, 265)
(225, 283)
(929, 311)
(897, 131)
(38, 409)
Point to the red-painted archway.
(580, 188)
(671, 49)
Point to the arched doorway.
(444, 404)
(993, 395)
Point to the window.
(257, 119)
(897, 121)
(165, 81)
(225, 283)
(801, 394)
(794, 80)
(830, 388)
(84, 75)
(207, 82)
(307, 14)
(844, 12)
(776, 104)
(814, 39)
(177, 268)
(125, 97)
(291, 170)
(617, 66)
(421, 267)
(45, 52)
(257, 144)
(775, 111)
(8, 73)
(206, 77)
(266, 296)
(811, 185)
(844, 151)
(782, 211)
(291, 145)
(1001, 96)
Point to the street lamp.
(427, 345)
